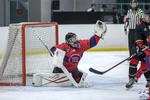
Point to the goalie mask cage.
(25, 54)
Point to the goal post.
(25, 54)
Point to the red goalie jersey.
(74, 55)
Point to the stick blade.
(96, 71)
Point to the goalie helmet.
(71, 39)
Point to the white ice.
(110, 86)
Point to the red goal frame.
(23, 83)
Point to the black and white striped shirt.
(132, 18)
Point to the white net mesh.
(36, 55)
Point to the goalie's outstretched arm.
(100, 29)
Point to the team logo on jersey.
(75, 58)
(138, 15)
(67, 50)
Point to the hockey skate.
(84, 84)
(130, 83)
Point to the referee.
(133, 17)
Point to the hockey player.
(148, 58)
(75, 48)
(148, 51)
(65, 59)
(141, 34)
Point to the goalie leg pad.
(51, 80)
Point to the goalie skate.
(85, 85)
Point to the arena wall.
(115, 39)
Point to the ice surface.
(110, 86)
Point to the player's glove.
(100, 28)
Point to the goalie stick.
(103, 72)
(42, 42)
(78, 85)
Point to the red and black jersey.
(74, 55)
(142, 31)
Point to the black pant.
(131, 41)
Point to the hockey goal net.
(25, 54)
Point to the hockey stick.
(103, 72)
(43, 42)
